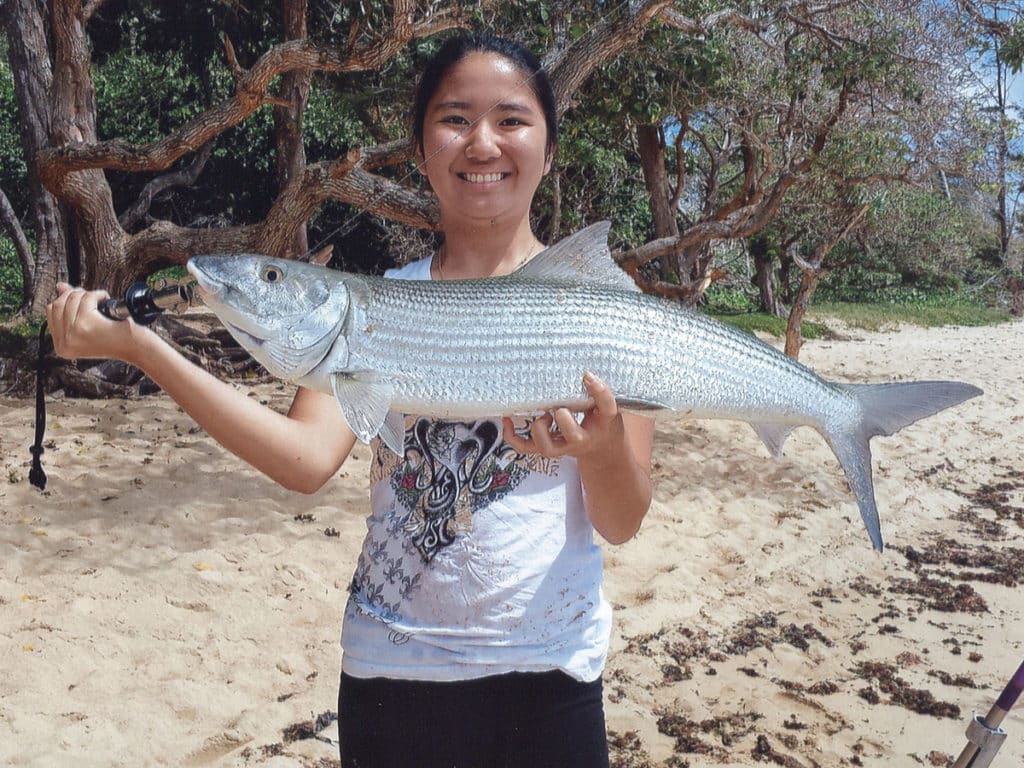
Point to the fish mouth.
(214, 294)
(207, 286)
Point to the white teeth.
(482, 178)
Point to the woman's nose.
(482, 142)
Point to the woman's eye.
(512, 121)
(455, 120)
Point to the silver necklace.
(442, 256)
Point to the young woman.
(475, 632)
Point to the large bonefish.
(520, 344)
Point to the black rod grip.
(137, 304)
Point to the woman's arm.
(301, 451)
(613, 452)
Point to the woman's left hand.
(601, 426)
(613, 453)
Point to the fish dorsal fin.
(582, 257)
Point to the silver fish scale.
(472, 348)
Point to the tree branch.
(185, 177)
(251, 93)
(90, 8)
(12, 226)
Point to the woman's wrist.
(140, 344)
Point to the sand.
(163, 604)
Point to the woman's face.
(484, 141)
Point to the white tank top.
(477, 560)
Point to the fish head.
(286, 314)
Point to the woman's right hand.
(301, 451)
(79, 329)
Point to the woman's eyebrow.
(501, 106)
(451, 105)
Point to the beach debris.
(765, 752)
(626, 751)
(312, 728)
(900, 692)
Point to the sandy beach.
(163, 604)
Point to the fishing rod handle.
(983, 741)
(1012, 691)
(137, 304)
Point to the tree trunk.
(650, 141)
(786, 262)
(10, 222)
(291, 151)
(73, 100)
(1016, 285)
(794, 338)
(764, 277)
(32, 68)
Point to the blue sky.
(1017, 90)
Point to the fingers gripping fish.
(520, 343)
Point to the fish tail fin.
(885, 409)
(888, 408)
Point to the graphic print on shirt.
(451, 469)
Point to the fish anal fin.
(643, 406)
(392, 432)
(773, 436)
(365, 400)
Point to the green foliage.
(597, 182)
(1013, 47)
(10, 277)
(156, 68)
(140, 97)
(158, 65)
(722, 298)
(15, 330)
(12, 163)
(914, 245)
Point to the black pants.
(536, 720)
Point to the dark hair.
(455, 49)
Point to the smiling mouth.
(483, 178)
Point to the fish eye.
(272, 273)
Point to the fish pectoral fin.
(365, 400)
(773, 436)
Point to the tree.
(71, 164)
(32, 66)
(685, 123)
(752, 103)
(998, 33)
